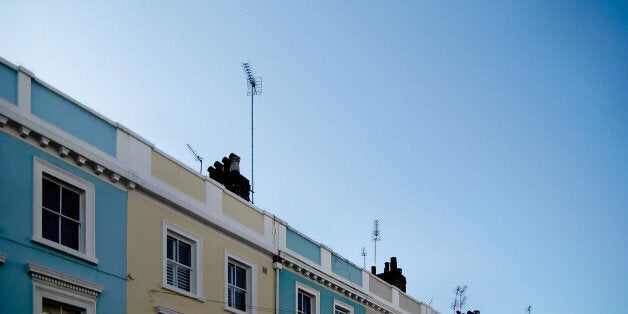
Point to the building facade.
(97, 219)
(62, 214)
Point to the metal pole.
(252, 170)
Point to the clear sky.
(489, 138)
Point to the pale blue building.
(62, 206)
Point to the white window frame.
(251, 282)
(49, 284)
(164, 310)
(87, 233)
(311, 291)
(342, 305)
(196, 280)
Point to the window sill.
(182, 292)
(63, 249)
(234, 310)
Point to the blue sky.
(489, 138)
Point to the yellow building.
(193, 246)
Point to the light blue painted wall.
(16, 225)
(303, 246)
(73, 119)
(8, 84)
(346, 270)
(287, 295)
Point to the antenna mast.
(529, 309)
(364, 256)
(377, 236)
(196, 157)
(254, 88)
(460, 299)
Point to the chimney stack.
(228, 174)
(392, 274)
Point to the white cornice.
(47, 276)
(352, 292)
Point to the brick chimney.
(228, 174)
(392, 274)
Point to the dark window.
(236, 290)
(179, 263)
(305, 303)
(54, 307)
(340, 310)
(61, 212)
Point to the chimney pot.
(373, 270)
(393, 263)
(386, 267)
(235, 163)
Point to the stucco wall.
(242, 213)
(380, 288)
(303, 246)
(8, 84)
(177, 176)
(287, 294)
(145, 256)
(16, 228)
(72, 118)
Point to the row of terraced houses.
(96, 219)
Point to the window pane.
(231, 273)
(171, 242)
(70, 204)
(48, 308)
(240, 277)
(70, 233)
(50, 195)
(306, 304)
(183, 278)
(53, 307)
(185, 254)
(170, 273)
(240, 300)
(50, 226)
(340, 310)
(230, 293)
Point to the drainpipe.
(276, 291)
(277, 266)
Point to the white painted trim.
(9, 64)
(345, 306)
(395, 297)
(56, 286)
(326, 260)
(366, 280)
(23, 91)
(197, 259)
(251, 281)
(316, 308)
(165, 310)
(87, 242)
(44, 274)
